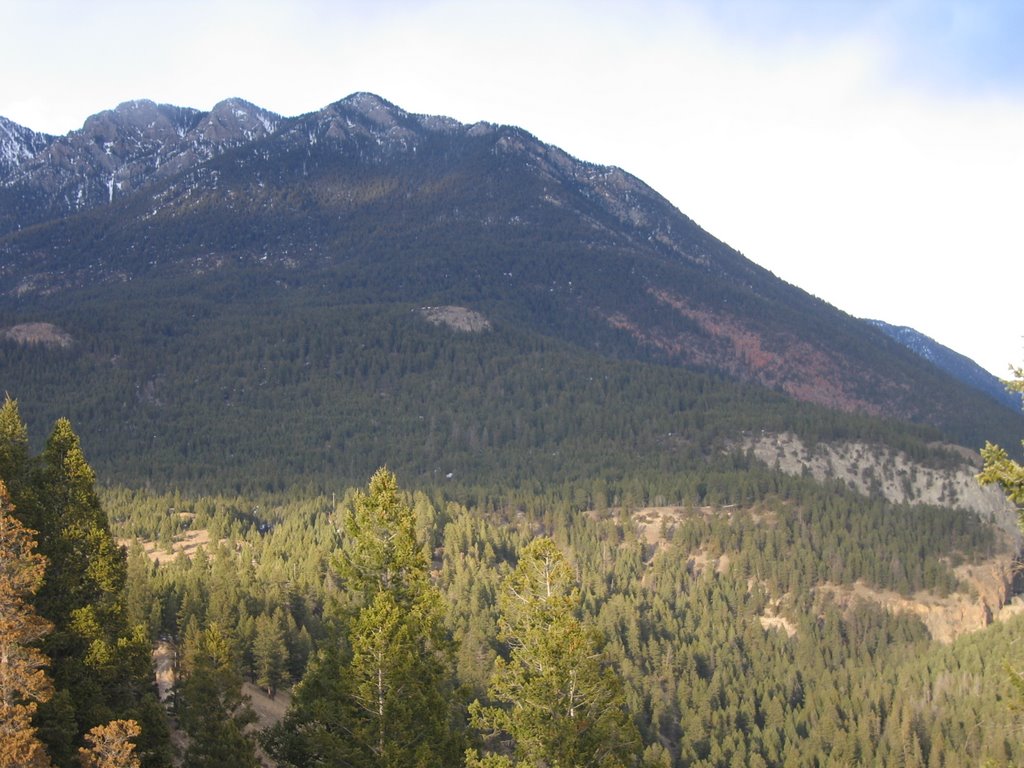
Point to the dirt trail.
(270, 711)
(163, 662)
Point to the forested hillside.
(220, 396)
(237, 300)
(719, 643)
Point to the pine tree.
(23, 682)
(14, 451)
(269, 653)
(382, 552)
(382, 697)
(87, 569)
(559, 701)
(212, 709)
(111, 746)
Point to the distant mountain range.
(157, 234)
(958, 366)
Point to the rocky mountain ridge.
(140, 143)
(18, 145)
(368, 203)
(121, 150)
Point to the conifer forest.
(409, 627)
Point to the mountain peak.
(237, 119)
(379, 112)
(139, 119)
(367, 101)
(136, 106)
(363, 120)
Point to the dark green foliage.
(100, 664)
(382, 692)
(307, 391)
(211, 707)
(269, 653)
(705, 683)
(87, 570)
(558, 699)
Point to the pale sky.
(868, 151)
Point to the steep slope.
(18, 145)
(174, 228)
(956, 365)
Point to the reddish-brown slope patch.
(797, 367)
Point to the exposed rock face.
(18, 145)
(236, 121)
(121, 150)
(456, 318)
(949, 617)
(878, 470)
(43, 334)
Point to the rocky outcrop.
(122, 150)
(18, 145)
(41, 334)
(870, 469)
(988, 598)
(456, 318)
(878, 470)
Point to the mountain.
(168, 242)
(961, 368)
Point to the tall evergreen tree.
(212, 709)
(383, 696)
(87, 569)
(269, 653)
(558, 699)
(14, 451)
